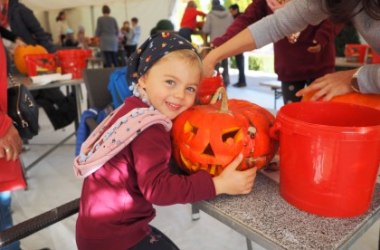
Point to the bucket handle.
(274, 131)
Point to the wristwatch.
(354, 81)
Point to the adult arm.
(35, 28)
(254, 12)
(293, 17)
(7, 34)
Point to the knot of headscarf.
(152, 50)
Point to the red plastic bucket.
(208, 87)
(329, 156)
(73, 61)
(355, 52)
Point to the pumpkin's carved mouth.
(213, 169)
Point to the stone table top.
(264, 215)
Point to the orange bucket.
(329, 156)
(73, 61)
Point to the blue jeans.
(6, 217)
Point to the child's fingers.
(234, 164)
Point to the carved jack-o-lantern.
(210, 136)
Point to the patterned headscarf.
(152, 50)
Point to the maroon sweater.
(292, 62)
(116, 201)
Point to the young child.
(125, 161)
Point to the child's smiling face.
(171, 85)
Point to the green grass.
(263, 63)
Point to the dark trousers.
(110, 58)
(129, 49)
(225, 74)
(155, 241)
(240, 65)
(289, 90)
(186, 33)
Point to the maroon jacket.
(117, 200)
(292, 62)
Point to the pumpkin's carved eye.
(188, 127)
(232, 135)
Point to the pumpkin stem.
(221, 93)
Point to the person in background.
(347, 35)
(83, 41)
(126, 33)
(108, 32)
(63, 26)
(298, 59)
(296, 16)
(22, 22)
(164, 25)
(70, 39)
(217, 22)
(61, 109)
(239, 58)
(119, 191)
(189, 22)
(135, 37)
(10, 141)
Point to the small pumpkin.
(368, 100)
(209, 137)
(208, 87)
(20, 53)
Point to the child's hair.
(189, 56)
(191, 4)
(135, 20)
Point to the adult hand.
(329, 85)
(10, 144)
(19, 42)
(316, 48)
(232, 181)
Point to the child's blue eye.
(191, 89)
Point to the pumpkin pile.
(368, 100)
(209, 137)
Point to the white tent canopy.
(85, 12)
(58, 5)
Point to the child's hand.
(232, 181)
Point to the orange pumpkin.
(20, 53)
(208, 87)
(210, 136)
(368, 100)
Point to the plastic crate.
(355, 52)
(40, 64)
